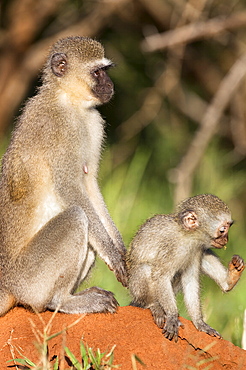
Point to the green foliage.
(90, 359)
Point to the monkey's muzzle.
(219, 242)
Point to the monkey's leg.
(225, 278)
(7, 301)
(191, 290)
(90, 300)
(139, 286)
(59, 253)
(156, 309)
(158, 312)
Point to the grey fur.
(168, 254)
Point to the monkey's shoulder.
(158, 222)
(155, 229)
(53, 122)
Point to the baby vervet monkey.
(168, 254)
(53, 219)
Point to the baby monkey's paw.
(237, 263)
(235, 269)
(158, 315)
(171, 328)
(207, 329)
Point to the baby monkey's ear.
(189, 220)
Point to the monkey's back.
(146, 243)
(49, 146)
(162, 238)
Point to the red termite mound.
(131, 329)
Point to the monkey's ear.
(59, 64)
(189, 219)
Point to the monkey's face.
(83, 82)
(78, 69)
(208, 217)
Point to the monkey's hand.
(118, 266)
(171, 328)
(202, 326)
(235, 269)
(158, 315)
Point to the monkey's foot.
(158, 315)
(207, 329)
(90, 300)
(104, 300)
(171, 328)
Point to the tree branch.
(183, 174)
(193, 31)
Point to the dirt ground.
(131, 329)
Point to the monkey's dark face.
(104, 87)
(220, 238)
(86, 82)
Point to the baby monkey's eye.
(96, 73)
(222, 229)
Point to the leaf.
(84, 355)
(56, 364)
(23, 361)
(73, 359)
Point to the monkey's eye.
(96, 73)
(222, 230)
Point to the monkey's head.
(208, 216)
(77, 67)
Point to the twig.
(193, 31)
(182, 175)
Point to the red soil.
(131, 329)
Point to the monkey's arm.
(225, 278)
(167, 301)
(98, 203)
(101, 242)
(191, 290)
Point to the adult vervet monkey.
(53, 220)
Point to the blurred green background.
(167, 96)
